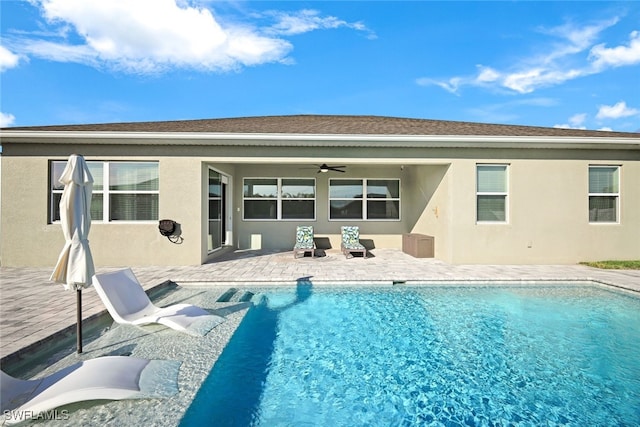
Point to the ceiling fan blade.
(326, 168)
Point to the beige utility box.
(418, 245)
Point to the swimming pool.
(437, 355)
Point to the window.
(491, 193)
(122, 191)
(604, 193)
(279, 198)
(364, 199)
(97, 197)
(298, 199)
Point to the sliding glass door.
(217, 227)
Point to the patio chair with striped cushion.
(351, 241)
(304, 241)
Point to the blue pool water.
(414, 356)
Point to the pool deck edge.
(35, 311)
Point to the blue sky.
(568, 64)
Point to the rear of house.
(489, 194)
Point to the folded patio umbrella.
(75, 263)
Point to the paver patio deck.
(32, 308)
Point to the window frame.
(105, 192)
(279, 198)
(616, 195)
(504, 193)
(364, 199)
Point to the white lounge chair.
(103, 378)
(127, 303)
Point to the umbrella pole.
(79, 315)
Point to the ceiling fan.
(323, 168)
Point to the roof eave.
(274, 139)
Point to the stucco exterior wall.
(30, 240)
(548, 220)
(547, 203)
(431, 201)
(26, 236)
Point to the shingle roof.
(329, 125)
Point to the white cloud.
(487, 74)
(616, 111)
(527, 81)
(617, 56)
(578, 119)
(309, 20)
(151, 36)
(568, 126)
(565, 59)
(574, 38)
(6, 119)
(619, 110)
(575, 122)
(59, 51)
(450, 86)
(8, 59)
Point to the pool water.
(444, 355)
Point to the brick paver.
(32, 308)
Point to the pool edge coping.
(90, 322)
